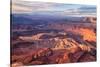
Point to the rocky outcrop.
(90, 19)
(50, 56)
(32, 56)
(59, 56)
(87, 57)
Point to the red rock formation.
(59, 56)
(87, 58)
(32, 56)
(88, 35)
(74, 57)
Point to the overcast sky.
(64, 6)
(92, 2)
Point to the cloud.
(26, 6)
(18, 7)
(90, 2)
(21, 6)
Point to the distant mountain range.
(39, 19)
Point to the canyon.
(54, 43)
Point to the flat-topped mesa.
(34, 37)
(42, 36)
(90, 19)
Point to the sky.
(92, 2)
(62, 6)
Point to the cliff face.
(88, 35)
